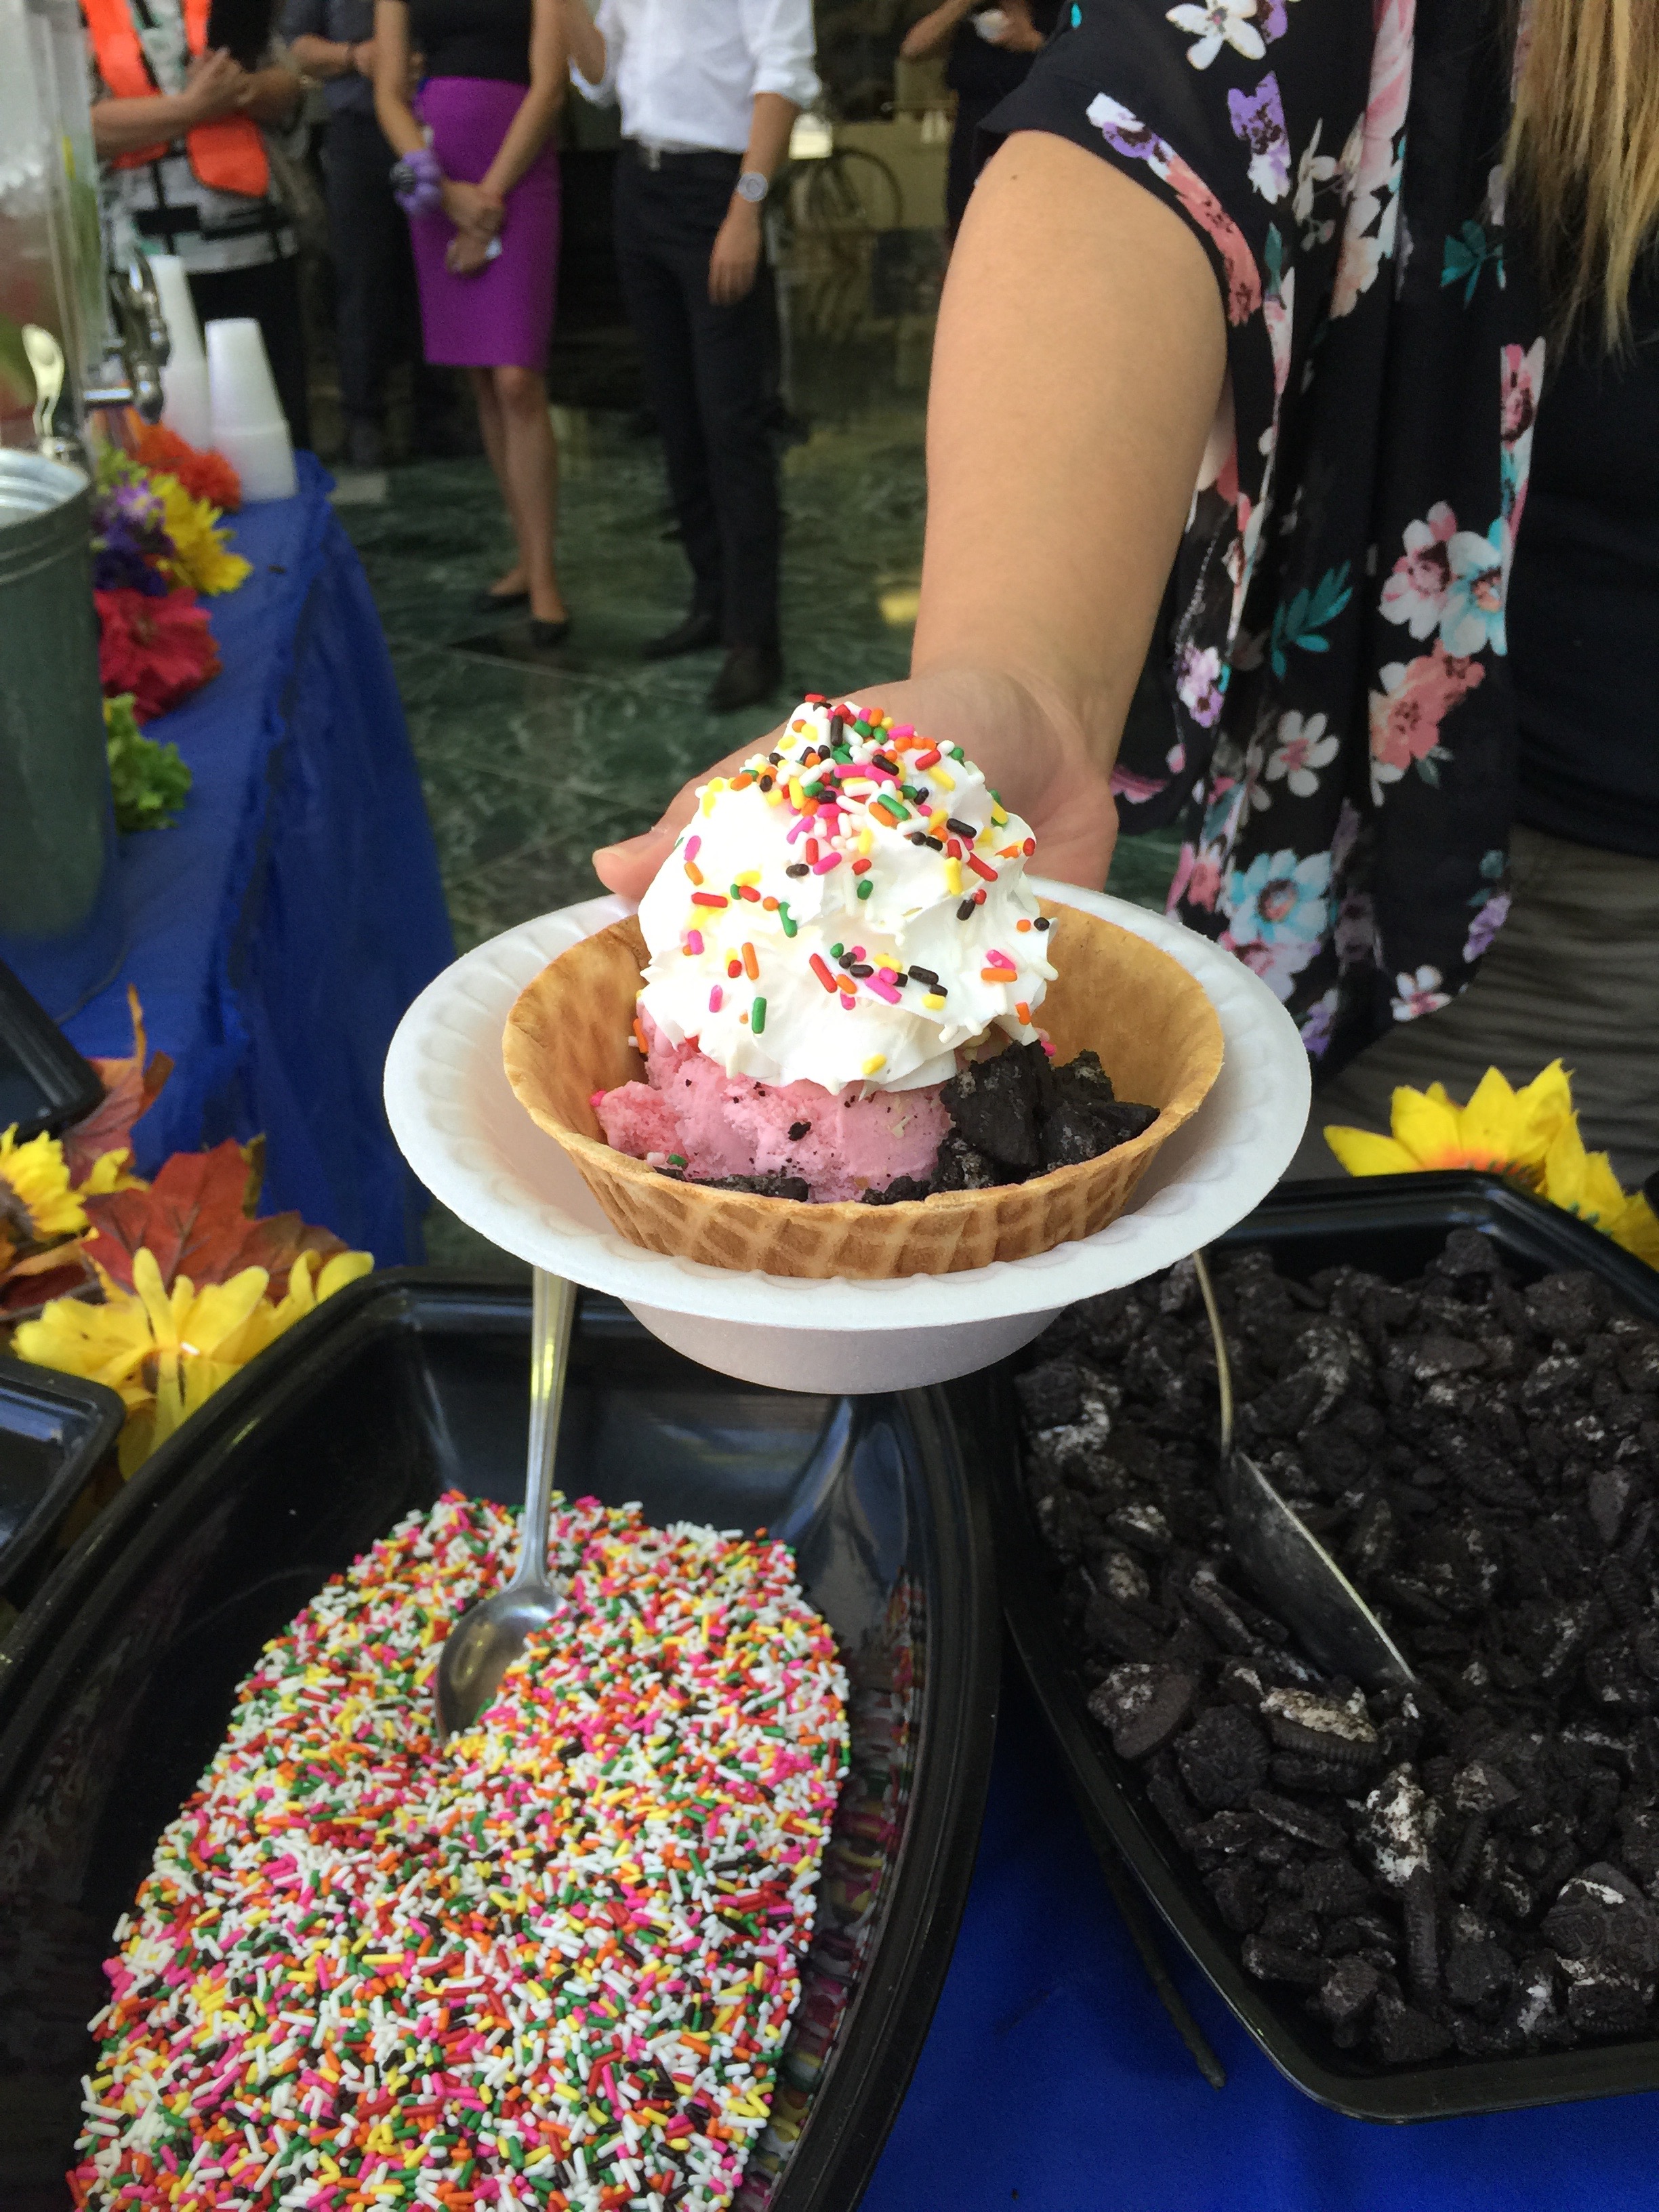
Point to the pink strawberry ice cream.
(841, 1144)
(843, 923)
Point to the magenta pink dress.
(502, 316)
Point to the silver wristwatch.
(753, 187)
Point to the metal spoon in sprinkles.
(485, 1643)
(1288, 1565)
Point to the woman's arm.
(396, 116)
(584, 41)
(1077, 368)
(272, 94)
(213, 88)
(931, 34)
(526, 134)
(327, 59)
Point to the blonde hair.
(1584, 148)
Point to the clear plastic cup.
(263, 459)
(244, 391)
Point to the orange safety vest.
(228, 154)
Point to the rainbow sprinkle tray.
(665, 1930)
(550, 1962)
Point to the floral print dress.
(1341, 740)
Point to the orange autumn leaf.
(195, 1217)
(130, 1087)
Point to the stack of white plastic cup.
(184, 379)
(248, 427)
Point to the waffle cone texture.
(1155, 1030)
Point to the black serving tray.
(1393, 1225)
(44, 1084)
(55, 1431)
(116, 1684)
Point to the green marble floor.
(527, 767)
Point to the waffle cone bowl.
(1151, 1022)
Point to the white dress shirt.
(686, 71)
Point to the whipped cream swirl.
(848, 909)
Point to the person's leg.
(361, 214)
(270, 294)
(1570, 975)
(648, 257)
(730, 346)
(530, 474)
(492, 429)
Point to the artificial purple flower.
(130, 538)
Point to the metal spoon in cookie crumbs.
(485, 1643)
(1290, 1567)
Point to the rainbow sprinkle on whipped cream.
(848, 909)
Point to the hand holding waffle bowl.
(843, 1037)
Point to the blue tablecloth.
(277, 932)
(1053, 2081)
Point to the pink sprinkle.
(882, 989)
(694, 941)
(692, 846)
(995, 959)
(902, 730)
(714, 998)
(796, 827)
(829, 861)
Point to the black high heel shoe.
(492, 603)
(545, 633)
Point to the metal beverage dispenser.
(62, 927)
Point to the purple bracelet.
(417, 183)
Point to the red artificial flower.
(204, 475)
(161, 650)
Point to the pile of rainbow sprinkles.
(550, 1963)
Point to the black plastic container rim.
(69, 1085)
(888, 2020)
(1450, 2088)
(97, 1412)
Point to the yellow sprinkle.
(748, 876)
(774, 797)
(998, 815)
(797, 796)
(941, 775)
(953, 877)
(936, 820)
(932, 1002)
(876, 1060)
(867, 843)
(711, 792)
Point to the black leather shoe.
(548, 632)
(695, 635)
(493, 603)
(751, 673)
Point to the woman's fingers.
(626, 868)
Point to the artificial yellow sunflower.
(167, 1352)
(1530, 1136)
(1501, 1130)
(1584, 1183)
(35, 1198)
(204, 562)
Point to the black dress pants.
(269, 294)
(705, 370)
(376, 312)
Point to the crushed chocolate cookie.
(1467, 1868)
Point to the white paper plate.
(470, 1141)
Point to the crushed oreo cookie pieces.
(757, 1186)
(1470, 1867)
(1012, 1117)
